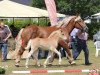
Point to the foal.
(49, 43)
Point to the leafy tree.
(71, 7)
(38, 4)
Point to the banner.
(51, 7)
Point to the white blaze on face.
(78, 18)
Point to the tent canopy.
(97, 14)
(13, 9)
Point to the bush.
(22, 22)
(93, 28)
(2, 70)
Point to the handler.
(82, 45)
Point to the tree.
(71, 7)
(38, 4)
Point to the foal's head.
(79, 23)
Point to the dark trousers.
(81, 45)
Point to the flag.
(51, 8)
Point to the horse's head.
(62, 34)
(79, 23)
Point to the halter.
(78, 23)
(77, 19)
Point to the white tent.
(97, 14)
(96, 17)
(13, 9)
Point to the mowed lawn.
(65, 65)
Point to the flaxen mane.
(64, 22)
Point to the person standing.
(5, 33)
(82, 45)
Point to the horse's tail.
(28, 45)
(18, 38)
(19, 34)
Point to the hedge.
(93, 28)
(2, 70)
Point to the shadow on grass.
(52, 66)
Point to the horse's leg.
(18, 55)
(59, 54)
(70, 56)
(46, 61)
(35, 55)
(27, 59)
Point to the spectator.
(5, 33)
(81, 45)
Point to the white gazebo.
(97, 14)
(12, 9)
(96, 17)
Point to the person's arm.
(78, 33)
(9, 34)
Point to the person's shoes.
(88, 64)
(3, 60)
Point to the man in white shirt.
(82, 45)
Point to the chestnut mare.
(32, 31)
(45, 44)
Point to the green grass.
(65, 65)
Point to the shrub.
(2, 70)
(93, 28)
(22, 22)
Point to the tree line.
(72, 7)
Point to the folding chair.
(97, 44)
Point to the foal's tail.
(28, 45)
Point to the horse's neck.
(70, 26)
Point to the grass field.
(65, 65)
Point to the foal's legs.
(59, 54)
(49, 56)
(35, 55)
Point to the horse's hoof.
(72, 62)
(49, 64)
(59, 64)
(38, 65)
(44, 66)
(16, 65)
(26, 66)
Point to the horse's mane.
(64, 22)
